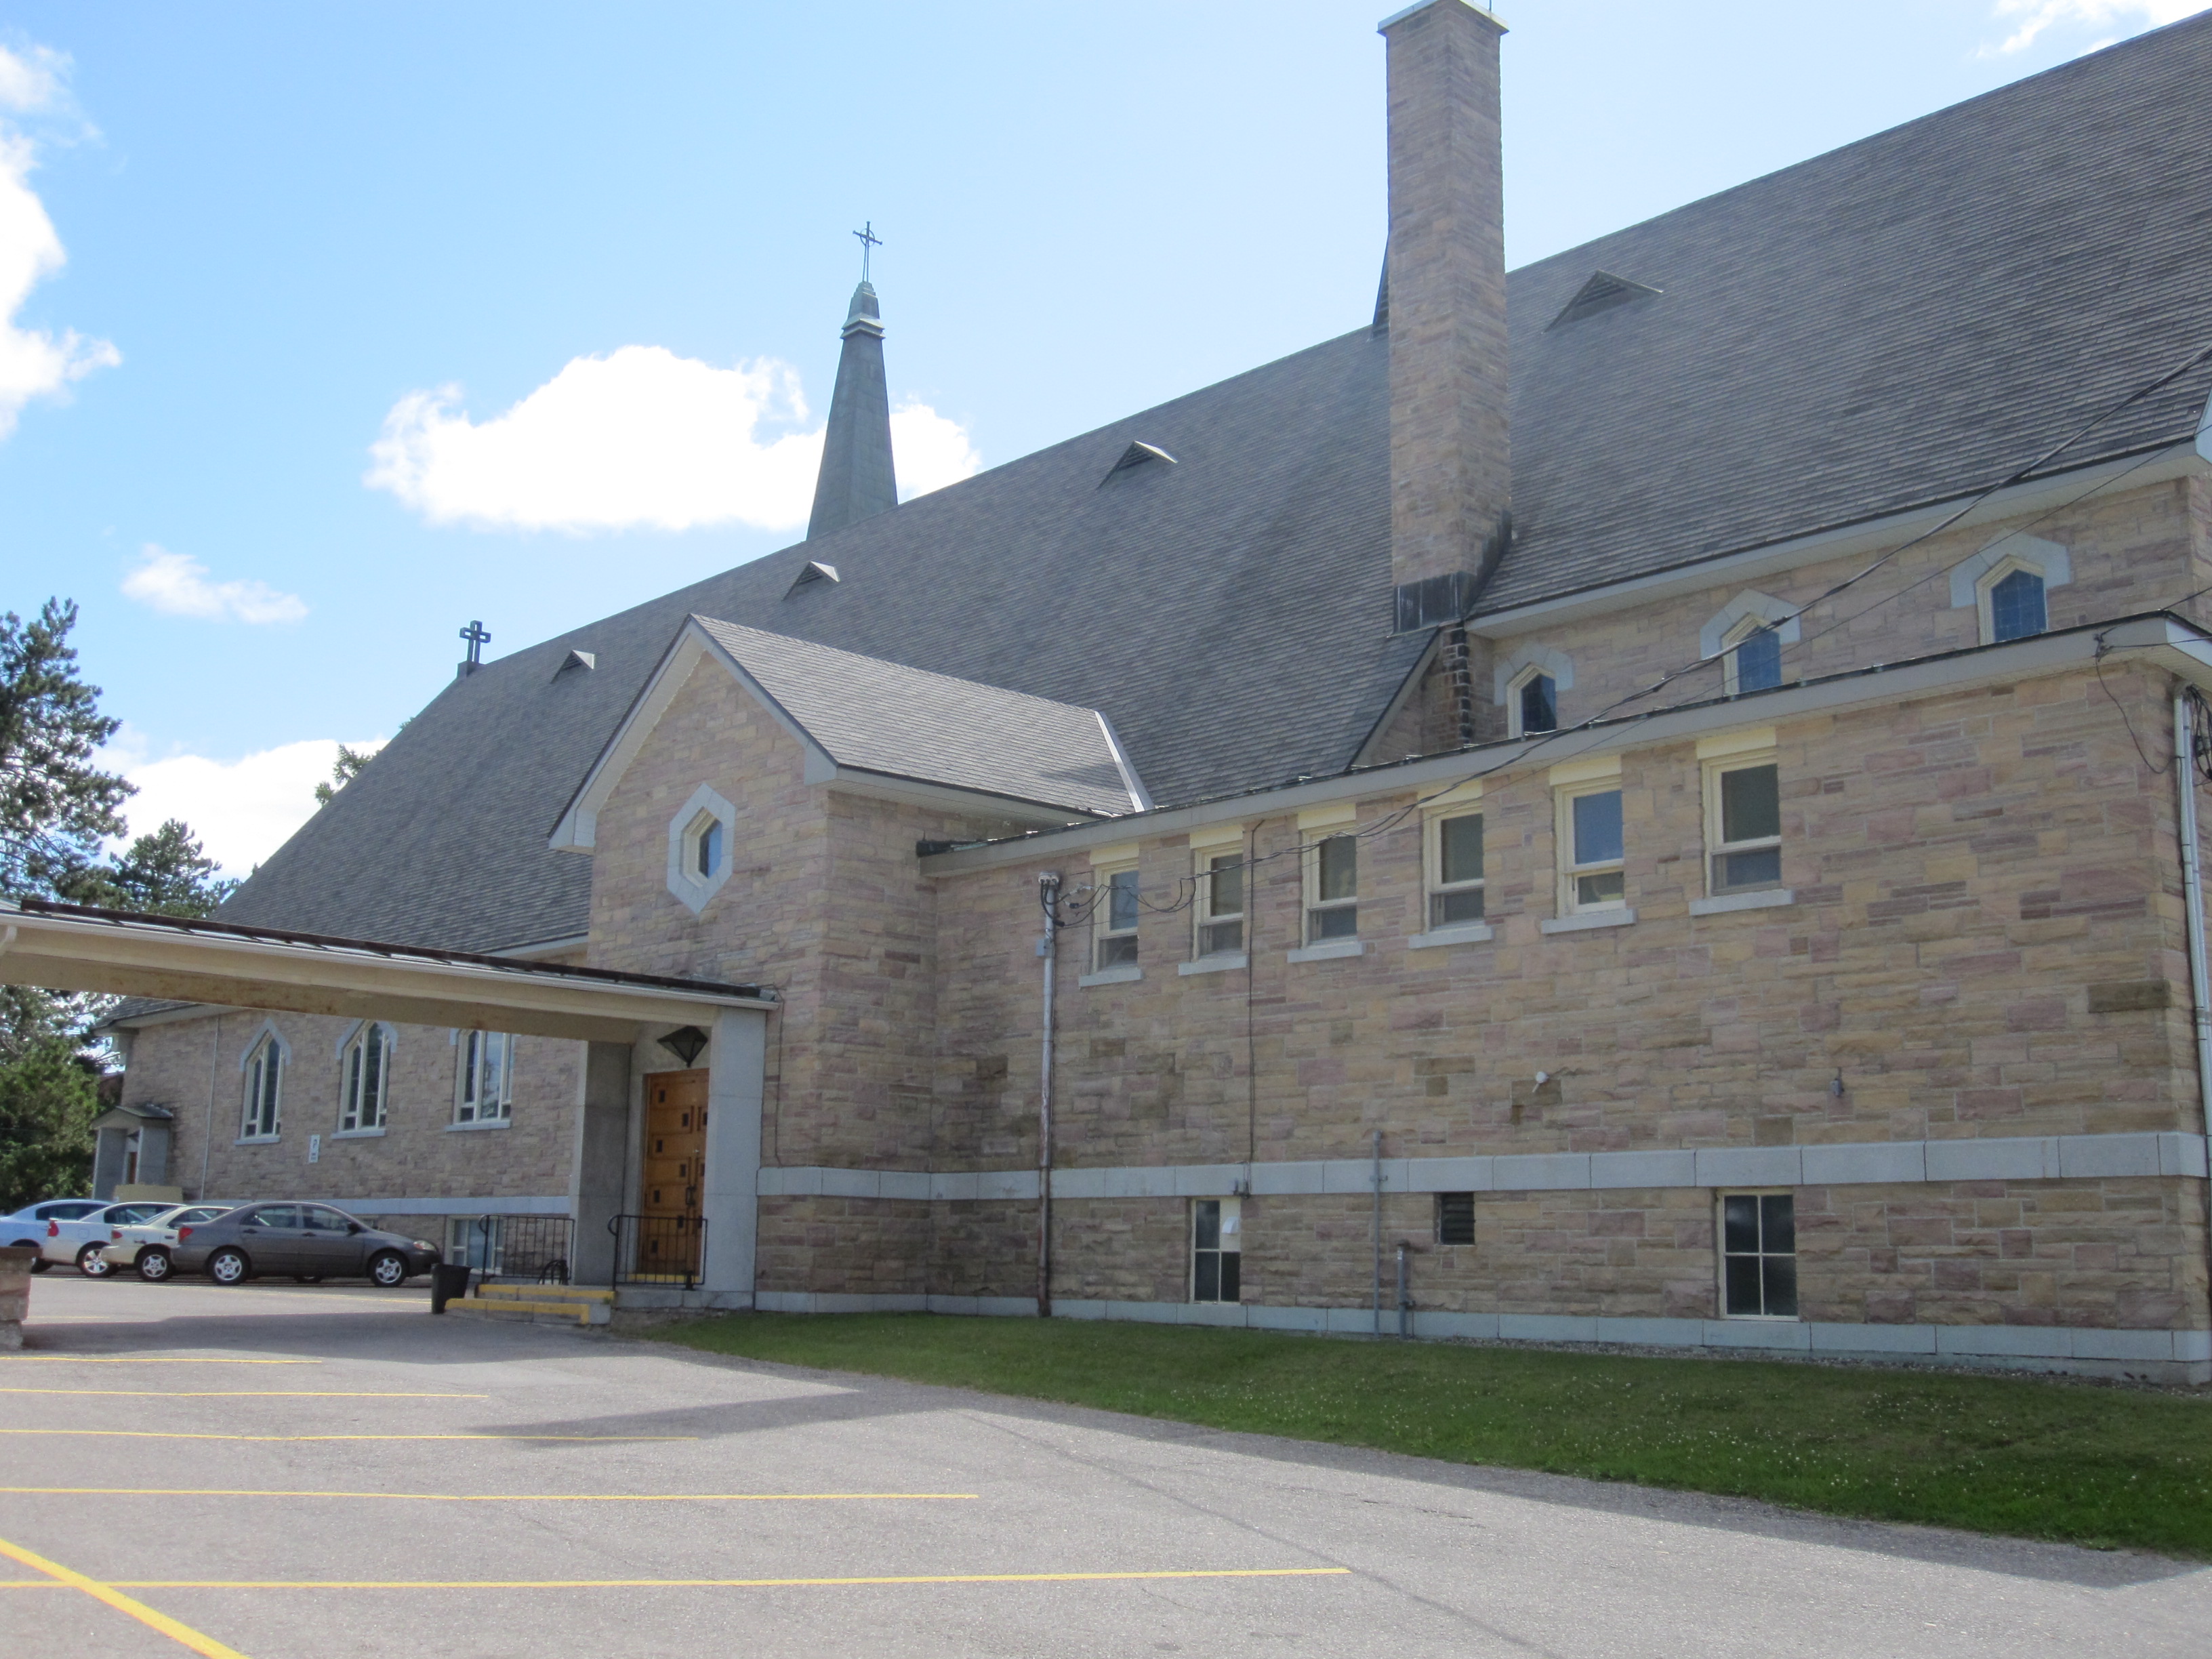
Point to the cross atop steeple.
(868, 239)
(478, 637)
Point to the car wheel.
(307, 1278)
(387, 1268)
(40, 1264)
(229, 1266)
(92, 1264)
(154, 1265)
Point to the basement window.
(1759, 1255)
(1114, 920)
(1217, 1245)
(1455, 883)
(1333, 889)
(1455, 1218)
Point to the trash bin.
(447, 1281)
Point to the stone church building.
(1632, 800)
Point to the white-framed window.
(1759, 1255)
(1331, 888)
(703, 849)
(2010, 599)
(364, 1079)
(2008, 583)
(1591, 849)
(264, 1090)
(1114, 919)
(1220, 907)
(485, 1093)
(1217, 1246)
(1753, 659)
(1532, 703)
(702, 842)
(1455, 872)
(1743, 825)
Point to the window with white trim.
(1532, 703)
(1220, 878)
(1592, 855)
(265, 1090)
(1754, 659)
(364, 1079)
(1114, 919)
(2013, 603)
(1743, 825)
(1456, 881)
(1333, 889)
(485, 1089)
(1759, 1255)
(1217, 1245)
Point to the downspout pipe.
(1378, 1232)
(2192, 900)
(1049, 948)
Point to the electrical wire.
(1185, 888)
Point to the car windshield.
(130, 1215)
(200, 1212)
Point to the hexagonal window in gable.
(700, 839)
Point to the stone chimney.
(1450, 468)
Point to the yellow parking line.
(249, 1393)
(685, 1583)
(154, 1434)
(499, 1497)
(141, 1359)
(206, 1646)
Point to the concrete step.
(583, 1293)
(515, 1310)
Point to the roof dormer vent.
(816, 571)
(586, 660)
(1139, 454)
(1602, 292)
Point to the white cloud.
(32, 363)
(639, 437)
(177, 584)
(2034, 16)
(241, 809)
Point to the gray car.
(310, 1241)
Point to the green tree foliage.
(344, 772)
(55, 806)
(167, 873)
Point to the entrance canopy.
(67, 947)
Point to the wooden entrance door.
(675, 1169)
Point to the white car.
(146, 1245)
(74, 1230)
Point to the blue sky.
(326, 329)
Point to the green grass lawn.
(2104, 1466)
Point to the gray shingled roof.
(883, 717)
(1901, 320)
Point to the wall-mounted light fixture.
(686, 1043)
(1836, 1085)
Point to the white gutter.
(202, 962)
(2172, 644)
(2038, 495)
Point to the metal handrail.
(659, 1249)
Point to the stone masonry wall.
(420, 1152)
(1966, 867)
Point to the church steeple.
(856, 481)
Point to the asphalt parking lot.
(277, 1471)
